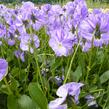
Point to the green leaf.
(77, 74)
(25, 102)
(104, 77)
(37, 95)
(12, 102)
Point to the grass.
(92, 4)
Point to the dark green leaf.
(37, 95)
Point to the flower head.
(94, 29)
(20, 55)
(2, 30)
(27, 41)
(3, 68)
(62, 42)
(72, 89)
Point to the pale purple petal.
(62, 92)
(3, 68)
(11, 42)
(55, 103)
(64, 106)
(22, 57)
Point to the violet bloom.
(95, 29)
(27, 41)
(76, 11)
(37, 25)
(26, 10)
(86, 46)
(2, 30)
(20, 55)
(70, 8)
(3, 9)
(3, 68)
(58, 80)
(55, 10)
(80, 12)
(38, 17)
(8, 16)
(72, 89)
(56, 18)
(91, 101)
(45, 8)
(62, 42)
(11, 42)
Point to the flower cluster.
(94, 29)
(65, 26)
(19, 25)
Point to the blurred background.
(35, 1)
(91, 3)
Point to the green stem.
(38, 68)
(101, 65)
(7, 85)
(89, 65)
(72, 59)
(19, 67)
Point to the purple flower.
(3, 10)
(76, 11)
(80, 12)
(3, 68)
(27, 41)
(86, 46)
(45, 8)
(58, 80)
(72, 89)
(2, 30)
(61, 42)
(28, 6)
(95, 29)
(26, 10)
(37, 25)
(91, 101)
(11, 42)
(55, 10)
(55, 104)
(20, 55)
(69, 8)
(36, 41)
